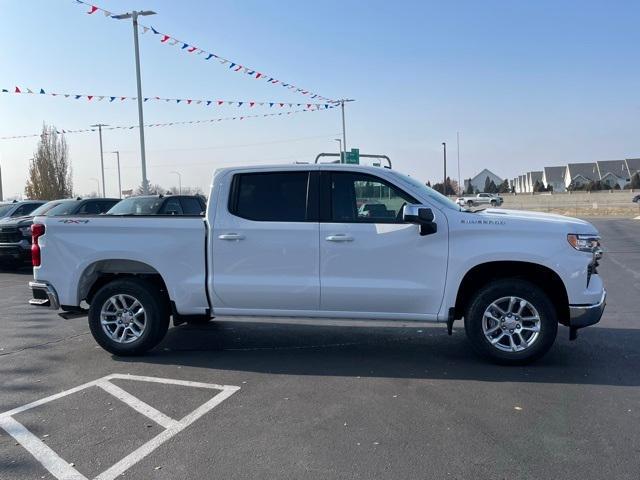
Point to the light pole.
(119, 179)
(458, 152)
(339, 140)
(444, 184)
(134, 16)
(344, 130)
(179, 182)
(97, 183)
(99, 126)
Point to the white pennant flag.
(145, 30)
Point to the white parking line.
(62, 470)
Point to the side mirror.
(422, 216)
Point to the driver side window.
(362, 198)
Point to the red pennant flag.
(165, 38)
(122, 98)
(189, 102)
(281, 104)
(258, 75)
(220, 102)
(17, 90)
(93, 9)
(251, 104)
(308, 105)
(89, 97)
(192, 49)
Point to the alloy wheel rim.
(123, 318)
(511, 324)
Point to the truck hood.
(570, 224)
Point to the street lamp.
(99, 127)
(444, 184)
(97, 183)
(119, 180)
(134, 16)
(179, 182)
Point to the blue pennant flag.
(240, 104)
(209, 56)
(232, 65)
(271, 104)
(111, 99)
(185, 45)
(145, 99)
(155, 31)
(208, 102)
(42, 91)
(78, 96)
(177, 100)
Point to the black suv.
(15, 233)
(19, 209)
(193, 205)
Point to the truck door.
(370, 261)
(265, 242)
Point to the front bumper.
(581, 316)
(44, 295)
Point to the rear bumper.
(44, 295)
(581, 316)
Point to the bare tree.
(186, 191)
(50, 168)
(153, 190)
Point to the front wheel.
(128, 317)
(511, 321)
(494, 203)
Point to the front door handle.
(339, 237)
(231, 236)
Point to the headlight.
(26, 231)
(584, 243)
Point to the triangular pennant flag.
(177, 100)
(232, 65)
(192, 49)
(173, 42)
(92, 10)
(165, 38)
(188, 102)
(251, 104)
(185, 45)
(271, 104)
(77, 97)
(155, 31)
(145, 99)
(106, 14)
(4, 90)
(145, 30)
(66, 95)
(122, 98)
(100, 97)
(258, 75)
(240, 104)
(111, 99)
(42, 91)
(198, 102)
(209, 56)
(208, 102)
(29, 90)
(220, 102)
(89, 97)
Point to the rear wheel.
(128, 317)
(511, 321)
(493, 203)
(470, 203)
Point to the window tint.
(191, 206)
(104, 207)
(5, 209)
(24, 210)
(361, 198)
(91, 207)
(270, 197)
(171, 207)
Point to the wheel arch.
(101, 272)
(542, 276)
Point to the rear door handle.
(339, 237)
(231, 236)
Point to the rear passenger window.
(172, 207)
(191, 206)
(270, 197)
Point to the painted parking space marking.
(63, 470)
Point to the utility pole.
(339, 140)
(458, 151)
(100, 125)
(134, 16)
(444, 184)
(119, 179)
(344, 130)
(179, 182)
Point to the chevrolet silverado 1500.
(331, 241)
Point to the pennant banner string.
(206, 55)
(170, 124)
(181, 101)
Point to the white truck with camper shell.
(294, 241)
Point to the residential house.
(581, 173)
(554, 177)
(532, 178)
(613, 172)
(478, 182)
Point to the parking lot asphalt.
(363, 401)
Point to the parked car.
(636, 199)
(19, 209)
(15, 233)
(289, 241)
(161, 205)
(481, 199)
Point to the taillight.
(37, 230)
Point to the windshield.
(63, 208)
(137, 206)
(5, 209)
(429, 192)
(44, 209)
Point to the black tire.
(470, 203)
(498, 289)
(155, 310)
(494, 203)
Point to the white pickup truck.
(294, 241)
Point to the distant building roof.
(633, 165)
(534, 176)
(586, 170)
(554, 174)
(615, 167)
(486, 173)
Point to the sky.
(526, 84)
